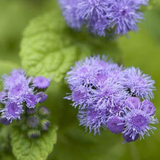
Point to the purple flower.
(124, 15)
(115, 124)
(45, 124)
(16, 77)
(18, 92)
(138, 120)
(21, 94)
(94, 14)
(128, 138)
(41, 82)
(5, 121)
(93, 82)
(44, 111)
(92, 119)
(12, 111)
(33, 122)
(138, 84)
(148, 106)
(41, 97)
(100, 16)
(108, 96)
(69, 8)
(17, 86)
(133, 102)
(31, 100)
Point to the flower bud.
(45, 124)
(43, 111)
(33, 122)
(33, 133)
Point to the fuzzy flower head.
(124, 15)
(16, 77)
(138, 118)
(92, 119)
(108, 96)
(115, 124)
(102, 16)
(69, 8)
(138, 84)
(93, 82)
(21, 93)
(41, 82)
(12, 111)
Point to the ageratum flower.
(69, 8)
(12, 111)
(19, 92)
(17, 85)
(93, 82)
(41, 82)
(115, 124)
(33, 122)
(41, 97)
(124, 15)
(108, 96)
(138, 84)
(138, 118)
(103, 16)
(92, 119)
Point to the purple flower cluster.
(109, 96)
(100, 16)
(19, 92)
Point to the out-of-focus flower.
(103, 16)
(41, 82)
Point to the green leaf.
(49, 47)
(33, 149)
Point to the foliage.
(49, 47)
(33, 149)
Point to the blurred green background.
(141, 49)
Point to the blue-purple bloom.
(12, 111)
(138, 118)
(124, 15)
(109, 96)
(45, 125)
(128, 138)
(41, 82)
(138, 84)
(31, 100)
(5, 121)
(92, 119)
(21, 91)
(115, 124)
(33, 122)
(102, 16)
(44, 111)
(41, 97)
